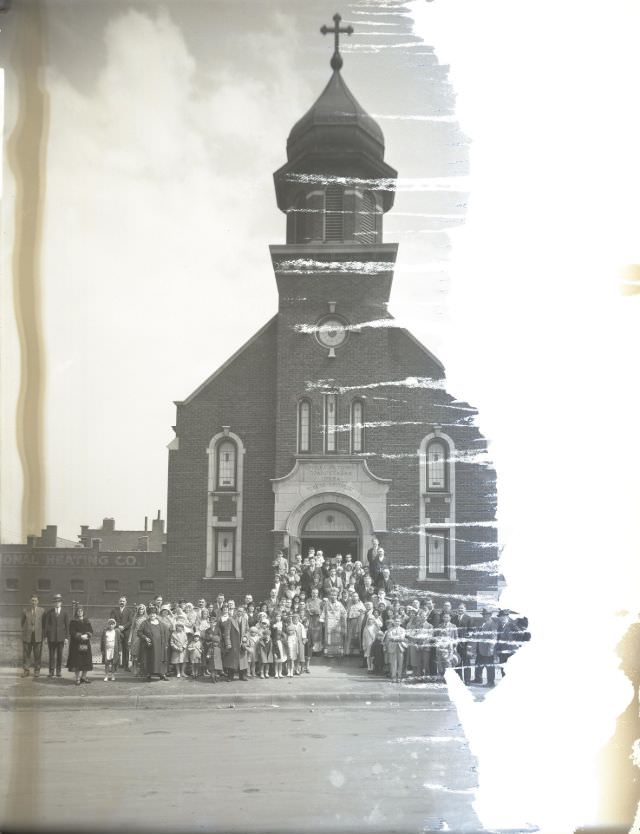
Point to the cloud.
(159, 209)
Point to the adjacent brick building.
(95, 575)
(331, 424)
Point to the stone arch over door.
(331, 500)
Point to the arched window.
(304, 426)
(437, 513)
(226, 465)
(334, 213)
(225, 487)
(357, 426)
(436, 465)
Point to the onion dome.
(336, 122)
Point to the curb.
(9, 703)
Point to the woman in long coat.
(154, 635)
(80, 660)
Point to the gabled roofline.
(424, 349)
(226, 364)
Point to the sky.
(166, 125)
(513, 128)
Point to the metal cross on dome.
(336, 58)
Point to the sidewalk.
(329, 683)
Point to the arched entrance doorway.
(332, 529)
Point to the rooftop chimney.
(95, 544)
(50, 535)
(109, 524)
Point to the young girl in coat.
(194, 653)
(265, 650)
(178, 644)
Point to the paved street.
(332, 768)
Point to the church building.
(331, 425)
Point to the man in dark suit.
(462, 622)
(124, 618)
(384, 581)
(372, 550)
(377, 564)
(31, 625)
(56, 629)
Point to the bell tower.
(335, 186)
(334, 272)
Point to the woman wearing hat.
(80, 660)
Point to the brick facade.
(255, 396)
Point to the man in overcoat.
(31, 624)
(56, 630)
(233, 631)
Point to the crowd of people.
(331, 607)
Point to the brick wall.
(242, 396)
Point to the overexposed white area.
(546, 347)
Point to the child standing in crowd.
(178, 643)
(194, 652)
(292, 649)
(394, 639)
(213, 653)
(265, 650)
(252, 650)
(110, 645)
(277, 640)
(304, 643)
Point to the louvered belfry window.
(367, 231)
(334, 213)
